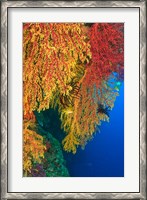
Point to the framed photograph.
(73, 99)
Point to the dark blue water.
(104, 155)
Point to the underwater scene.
(73, 100)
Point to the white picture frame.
(13, 184)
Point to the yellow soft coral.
(33, 147)
(80, 122)
(70, 143)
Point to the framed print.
(73, 93)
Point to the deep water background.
(103, 156)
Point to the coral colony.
(75, 69)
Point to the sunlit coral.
(51, 53)
(76, 68)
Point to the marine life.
(77, 70)
(104, 110)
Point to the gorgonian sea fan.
(97, 95)
(69, 65)
(107, 48)
(50, 62)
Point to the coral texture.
(75, 68)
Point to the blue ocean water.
(104, 155)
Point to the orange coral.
(69, 65)
(29, 116)
(51, 53)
